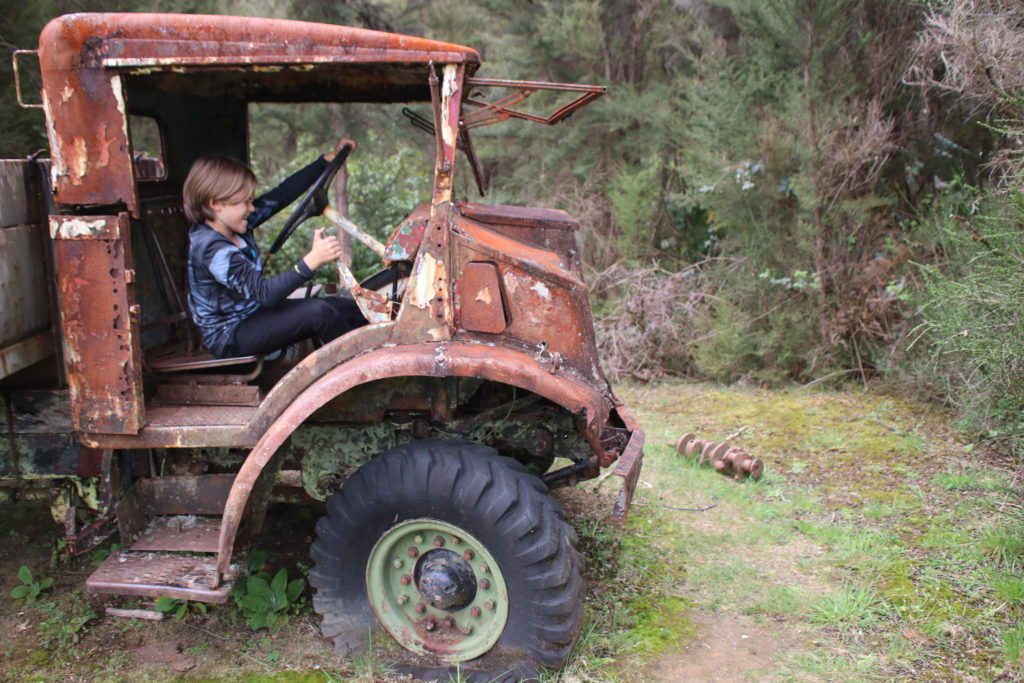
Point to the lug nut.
(402, 599)
(438, 542)
(413, 551)
(405, 580)
(456, 540)
(417, 540)
(420, 607)
(397, 564)
(484, 568)
(448, 622)
(468, 555)
(431, 624)
(489, 604)
(475, 612)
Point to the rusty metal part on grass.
(728, 460)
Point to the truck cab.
(480, 347)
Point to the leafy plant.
(60, 628)
(264, 603)
(30, 588)
(178, 608)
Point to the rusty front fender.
(442, 359)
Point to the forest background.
(801, 191)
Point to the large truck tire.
(459, 555)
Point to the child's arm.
(268, 204)
(230, 268)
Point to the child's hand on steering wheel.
(325, 249)
(337, 148)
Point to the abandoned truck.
(431, 436)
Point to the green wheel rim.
(456, 634)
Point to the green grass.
(859, 538)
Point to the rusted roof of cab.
(125, 40)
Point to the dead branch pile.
(646, 330)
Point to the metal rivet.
(412, 552)
(475, 612)
(405, 580)
(485, 584)
(468, 555)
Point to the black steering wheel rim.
(315, 200)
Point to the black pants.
(270, 329)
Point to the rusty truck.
(431, 437)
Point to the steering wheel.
(315, 201)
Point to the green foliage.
(265, 604)
(60, 628)
(30, 587)
(972, 306)
(265, 601)
(1013, 642)
(179, 609)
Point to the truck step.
(183, 533)
(185, 577)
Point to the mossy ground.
(876, 547)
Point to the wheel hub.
(445, 580)
(437, 590)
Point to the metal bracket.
(17, 78)
(501, 109)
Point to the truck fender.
(443, 359)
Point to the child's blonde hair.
(214, 178)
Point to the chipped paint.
(68, 227)
(79, 160)
(541, 289)
(421, 283)
(449, 88)
(66, 93)
(484, 295)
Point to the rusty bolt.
(468, 555)
(420, 607)
(413, 551)
(485, 584)
(475, 612)
(405, 580)
(438, 542)
(489, 604)
(448, 622)
(402, 599)
(466, 630)
(431, 624)
(397, 564)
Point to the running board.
(172, 575)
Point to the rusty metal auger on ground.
(728, 460)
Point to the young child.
(238, 311)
